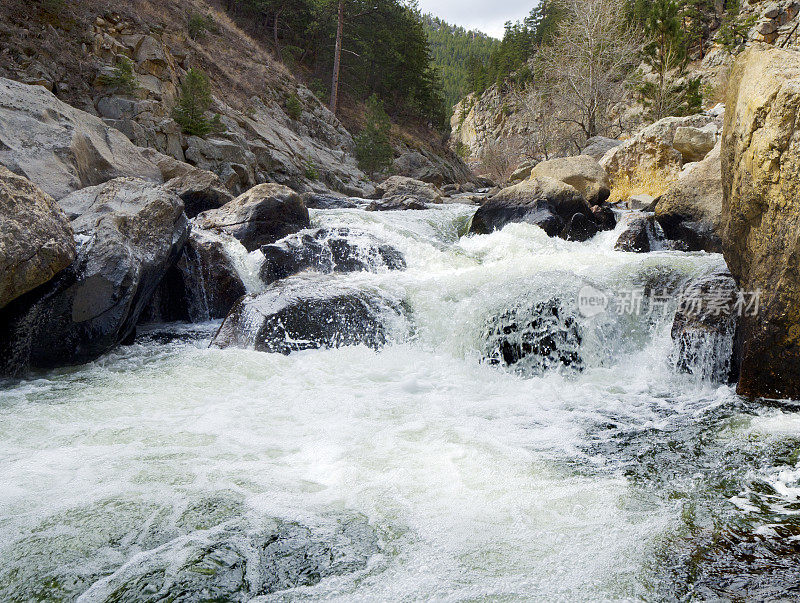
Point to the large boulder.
(200, 191)
(328, 250)
(761, 215)
(58, 147)
(597, 146)
(704, 327)
(581, 172)
(307, 313)
(545, 202)
(204, 283)
(428, 167)
(129, 232)
(262, 215)
(695, 143)
(641, 235)
(401, 188)
(650, 154)
(691, 209)
(36, 240)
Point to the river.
(613, 478)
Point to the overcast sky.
(487, 16)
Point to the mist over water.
(599, 480)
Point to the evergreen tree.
(667, 90)
(373, 149)
(195, 100)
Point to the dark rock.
(704, 327)
(203, 285)
(36, 239)
(693, 236)
(262, 215)
(200, 191)
(579, 228)
(534, 339)
(544, 202)
(326, 201)
(640, 235)
(328, 250)
(604, 216)
(598, 146)
(396, 204)
(129, 233)
(309, 313)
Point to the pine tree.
(195, 100)
(373, 149)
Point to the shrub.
(373, 148)
(195, 100)
(122, 78)
(320, 90)
(199, 25)
(294, 108)
(53, 7)
(310, 170)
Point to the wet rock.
(704, 327)
(237, 565)
(328, 250)
(640, 236)
(58, 147)
(579, 228)
(129, 232)
(535, 339)
(200, 191)
(36, 239)
(691, 209)
(604, 217)
(397, 204)
(582, 172)
(262, 215)
(327, 201)
(308, 313)
(203, 285)
(761, 215)
(545, 202)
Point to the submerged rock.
(236, 565)
(129, 232)
(535, 339)
(309, 313)
(36, 239)
(328, 250)
(704, 327)
(262, 215)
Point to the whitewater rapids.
(481, 481)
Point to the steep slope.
(275, 129)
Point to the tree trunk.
(337, 59)
(275, 35)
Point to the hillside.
(453, 49)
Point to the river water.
(613, 478)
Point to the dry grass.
(650, 182)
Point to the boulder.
(203, 285)
(328, 250)
(523, 172)
(704, 327)
(579, 228)
(640, 202)
(691, 209)
(446, 168)
(640, 236)
(327, 201)
(581, 172)
(58, 147)
(597, 146)
(399, 189)
(303, 313)
(761, 215)
(129, 232)
(650, 153)
(396, 204)
(231, 159)
(695, 143)
(262, 215)
(545, 202)
(200, 191)
(36, 239)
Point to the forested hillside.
(453, 48)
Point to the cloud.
(488, 17)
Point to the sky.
(486, 16)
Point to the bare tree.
(589, 64)
(337, 59)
